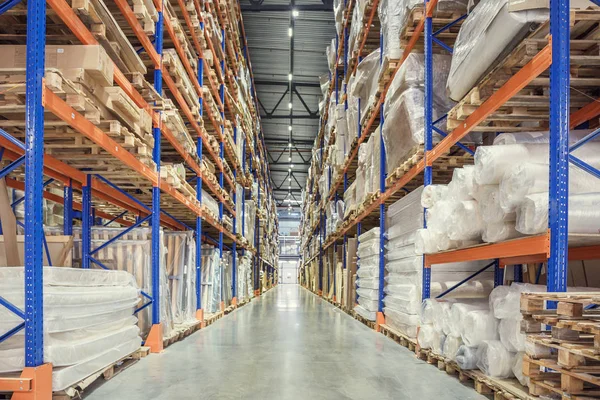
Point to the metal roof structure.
(275, 54)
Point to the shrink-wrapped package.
(403, 322)
(537, 137)
(458, 313)
(490, 205)
(466, 222)
(479, 325)
(510, 334)
(426, 336)
(517, 369)
(432, 194)
(505, 301)
(494, 232)
(366, 80)
(489, 31)
(437, 345)
(466, 357)
(532, 214)
(451, 346)
(461, 185)
(494, 360)
(350, 199)
(352, 118)
(438, 309)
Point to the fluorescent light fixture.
(289, 128)
(290, 105)
(290, 32)
(289, 158)
(295, 13)
(291, 165)
(290, 76)
(289, 170)
(289, 144)
(290, 179)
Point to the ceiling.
(266, 25)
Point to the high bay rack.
(99, 177)
(422, 33)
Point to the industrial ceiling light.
(289, 144)
(290, 32)
(289, 158)
(295, 13)
(290, 76)
(290, 179)
(290, 105)
(291, 165)
(289, 170)
(290, 187)
(289, 128)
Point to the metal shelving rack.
(551, 247)
(221, 83)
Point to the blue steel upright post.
(221, 156)
(559, 146)
(34, 181)
(155, 337)
(428, 115)
(199, 310)
(86, 229)
(234, 245)
(382, 164)
(68, 208)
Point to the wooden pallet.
(358, 317)
(439, 20)
(107, 373)
(398, 337)
(532, 103)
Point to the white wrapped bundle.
(466, 357)
(365, 82)
(446, 320)
(470, 290)
(537, 350)
(426, 336)
(438, 342)
(505, 301)
(537, 137)
(479, 325)
(409, 203)
(440, 216)
(402, 240)
(368, 283)
(510, 334)
(367, 293)
(427, 311)
(532, 214)
(499, 231)
(494, 360)
(491, 208)
(406, 221)
(517, 369)
(411, 264)
(461, 184)
(432, 194)
(438, 308)
(458, 313)
(363, 312)
(524, 179)
(398, 253)
(425, 241)
(466, 223)
(403, 322)
(451, 346)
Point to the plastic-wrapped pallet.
(489, 30)
(368, 274)
(338, 12)
(181, 270)
(352, 118)
(493, 359)
(211, 279)
(366, 81)
(350, 199)
(100, 328)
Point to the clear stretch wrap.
(510, 334)
(403, 322)
(181, 271)
(331, 53)
(524, 179)
(494, 360)
(491, 210)
(505, 301)
(537, 136)
(495, 232)
(466, 222)
(466, 357)
(366, 81)
(492, 162)
(352, 119)
(517, 369)
(432, 194)
(338, 12)
(461, 185)
(437, 346)
(373, 184)
(355, 27)
(438, 309)
(479, 325)
(458, 313)
(451, 346)
(532, 214)
(350, 199)
(489, 31)
(426, 336)
(211, 279)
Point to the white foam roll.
(437, 346)
(426, 336)
(510, 334)
(432, 194)
(438, 314)
(458, 313)
(427, 311)
(447, 320)
(505, 302)
(461, 184)
(466, 357)
(425, 242)
(584, 217)
(440, 216)
(479, 325)
(495, 232)
(465, 222)
(493, 359)
(490, 207)
(451, 346)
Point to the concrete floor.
(289, 344)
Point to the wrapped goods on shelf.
(368, 269)
(131, 253)
(352, 119)
(489, 31)
(181, 270)
(366, 81)
(524, 179)
(355, 28)
(537, 137)
(494, 360)
(432, 194)
(437, 346)
(86, 312)
(350, 199)
(402, 322)
(324, 81)
(451, 346)
(489, 199)
(495, 232)
(510, 334)
(211, 279)
(374, 143)
(466, 222)
(339, 7)
(458, 313)
(461, 185)
(360, 185)
(426, 336)
(479, 325)
(532, 214)
(331, 53)
(466, 357)
(517, 369)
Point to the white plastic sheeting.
(479, 326)
(466, 357)
(494, 360)
(368, 273)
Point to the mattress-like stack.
(368, 274)
(211, 279)
(88, 321)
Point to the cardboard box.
(521, 5)
(91, 58)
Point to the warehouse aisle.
(287, 345)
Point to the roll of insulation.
(451, 346)
(426, 336)
(461, 184)
(517, 369)
(479, 325)
(465, 222)
(499, 231)
(427, 311)
(432, 194)
(494, 360)
(437, 346)
(459, 312)
(510, 334)
(438, 314)
(466, 357)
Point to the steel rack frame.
(35, 381)
(551, 247)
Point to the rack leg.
(41, 383)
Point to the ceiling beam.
(294, 116)
(287, 8)
(284, 83)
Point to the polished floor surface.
(289, 344)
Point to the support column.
(86, 228)
(199, 310)
(68, 209)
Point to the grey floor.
(289, 344)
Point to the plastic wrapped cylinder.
(432, 194)
(495, 232)
(510, 334)
(494, 359)
(451, 346)
(505, 301)
(440, 216)
(524, 179)
(363, 312)
(517, 369)
(446, 320)
(437, 346)
(490, 206)
(479, 325)
(404, 323)
(427, 314)
(392, 16)
(466, 222)
(461, 184)
(426, 241)
(537, 137)
(488, 31)
(438, 309)
(426, 336)
(466, 357)
(532, 214)
(458, 313)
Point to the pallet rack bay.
(547, 64)
(99, 102)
